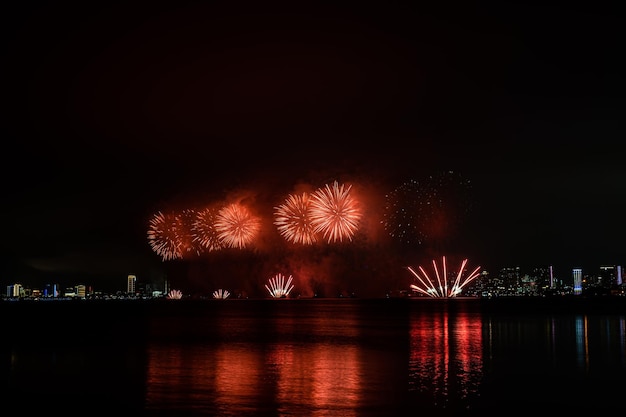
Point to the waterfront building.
(577, 275)
(131, 282)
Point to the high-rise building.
(15, 290)
(552, 283)
(81, 290)
(130, 286)
(610, 275)
(577, 274)
(511, 279)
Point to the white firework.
(335, 212)
(221, 294)
(278, 288)
(175, 295)
(442, 285)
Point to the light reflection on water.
(324, 359)
(235, 379)
(318, 358)
(446, 359)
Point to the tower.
(130, 286)
(577, 274)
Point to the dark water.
(317, 357)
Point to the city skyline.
(424, 280)
(117, 113)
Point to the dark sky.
(112, 112)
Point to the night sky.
(113, 112)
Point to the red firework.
(428, 211)
(184, 232)
(334, 212)
(163, 236)
(203, 230)
(236, 226)
(293, 221)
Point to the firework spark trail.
(163, 236)
(184, 232)
(444, 275)
(203, 230)
(278, 287)
(221, 294)
(175, 295)
(293, 221)
(430, 286)
(334, 212)
(418, 212)
(442, 288)
(236, 226)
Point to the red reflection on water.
(236, 378)
(446, 357)
(324, 377)
(178, 376)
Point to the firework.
(293, 221)
(175, 295)
(442, 285)
(221, 294)
(278, 288)
(203, 230)
(163, 236)
(185, 221)
(334, 212)
(236, 226)
(427, 210)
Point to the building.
(577, 274)
(130, 286)
(15, 291)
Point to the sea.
(313, 357)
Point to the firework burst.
(221, 294)
(175, 295)
(203, 230)
(184, 233)
(236, 226)
(334, 212)
(278, 288)
(163, 236)
(442, 284)
(427, 210)
(293, 221)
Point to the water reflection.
(599, 341)
(317, 358)
(301, 361)
(355, 359)
(582, 342)
(234, 379)
(446, 358)
(574, 360)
